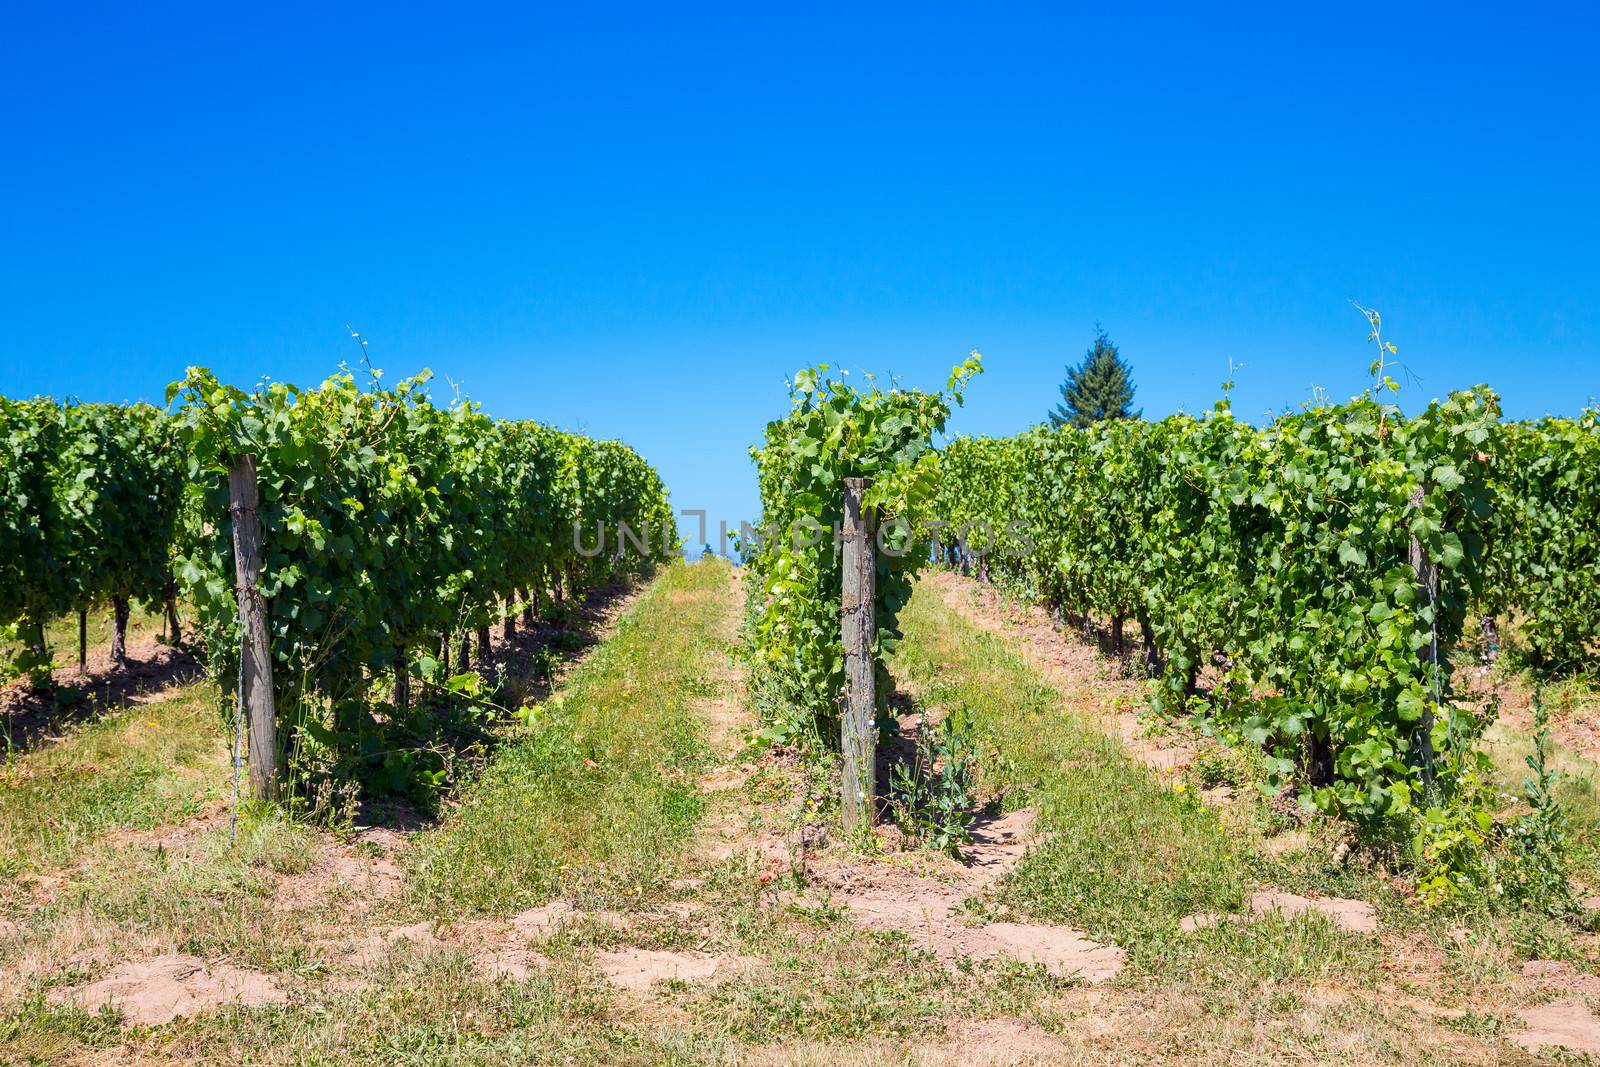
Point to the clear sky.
(636, 221)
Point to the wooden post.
(255, 658)
(83, 638)
(858, 724)
(1427, 577)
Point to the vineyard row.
(389, 525)
(1323, 566)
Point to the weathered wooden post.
(858, 724)
(255, 654)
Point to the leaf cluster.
(89, 501)
(833, 431)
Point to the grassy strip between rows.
(152, 765)
(595, 798)
(1126, 858)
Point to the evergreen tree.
(1101, 387)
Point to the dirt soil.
(156, 991)
(930, 908)
(1353, 916)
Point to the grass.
(594, 798)
(1128, 857)
(1133, 852)
(598, 800)
(599, 793)
(149, 766)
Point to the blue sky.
(637, 221)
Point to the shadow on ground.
(31, 717)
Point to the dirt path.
(921, 895)
(731, 826)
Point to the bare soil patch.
(153, 992)
(1567, 1024)
(1561, 977)
(1352, 916)
(359, 876)
(498, 948)
(1001, 1042)
(639, 969)
(931, 910)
